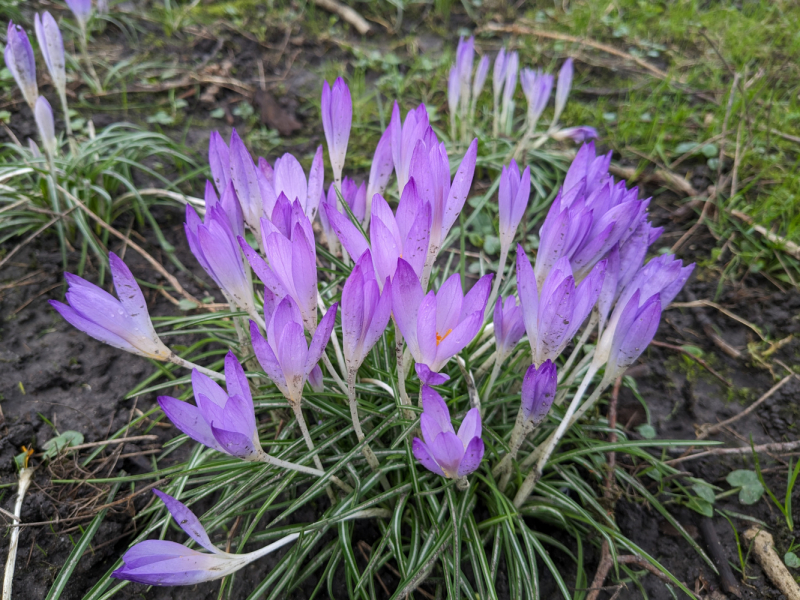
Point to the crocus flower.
(381, 169)
(288, 242)
(579, 134)
(228, 202)
(43, 114)
(538, 393)
(480, 78)
(215, 246)
(160, 562)
(356, 197)
(289, 179)
(453, 94)
(405, 235)
(587, 169)
(444, 452)
(52, 47)
(123, 323)
(436, 326)
(82, 9)
(537, 87)
(509, 87)
(635, 318)
(512, 200)
(21, 62)
(284, 355)
(224, 421)
(430, 168)
(365, 311)
(249, 185)
(509, 326)
(554, 313)
(404, 139)
(498, 76)
(337, 117)
(562, 88)
(219, 160)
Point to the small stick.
(773, 447)
(764, 549)
(135, 438)
(606, 562)
(699, 360)
(348, 14)
(25, 476)
(726, 576)
(708, 428)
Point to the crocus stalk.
(430, 168)
(477, 85)
(405, 234)
(509, 87)
(498, 79)
(554, 315)
(404, 138)
(286, 357)
(562, 90)
(21, 62)
(365, 314)
(215, 246)
(337, 117)
(509, 328)
(436, 326)
(224, 421)
(380, 172)
(51, 45)
(444, 452)
(164, 563)
(512, 200)
(538, 393)
(123, 323)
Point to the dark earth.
(58, 377)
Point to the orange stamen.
(440, 338)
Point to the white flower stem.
(186, 364)
(25, 476)
(277, 462)
(497, 281)
(498, 363)
(593, 320)
(272, 547)
(401, 374)
(85, 51)
(372, 460)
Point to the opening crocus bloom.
(563, 88)
(509, 326)
(382, 167)
(538, 392)
(552, 317)
(223, 421)
(444, 452)
(289, 178)
(404, 138)
(123, 323)
(163, 563)
(21, 62)
(512, 199)
(51, 45)
(579, 134)
(82, 9)
(43, 114)
(436, 326)
(285, 355)
(537, 87)
(337, 117)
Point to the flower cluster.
(259, 219)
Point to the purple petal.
(470, 426)
(262, 270)
(407, 296)
(353, 314)
(528, 295)
(382, 166)
(219, 160)
(459, 190)
(473, 455)
(458, 339)
(348, 234)
(321, 337)
(245, 181)
(315, 380)
(186, 520)
(448, 305)
(93, 329)
(386, 249)
(423, 455)
(293, 358)
(435, 408)
(427, 335)
(188, 419)
(267, 360)
(202, 384)
(235, 443)
(235, 379)
(447, 451)
(477, 297)
(316, 176)
(429, 377)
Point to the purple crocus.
(380, 171)
(250, 184)
(436, 326)
(479, 80)
(444, 452)
(453, 95)
(365, 311)
(404, 235)
(219, 160)
(579, 134)
(285, 355)
(498, 79)
(538, 393)
(537, 87)
(288, 242)
(224, 421)
(21, 62)
(82, 9)
(404, 138)
(562, 88)
(43, 114)
(214, 245)
(123, 323)
(229, 203)
(554, 312)
(512, 200)
(356, 197)
(163, 563)
(337, 117)
(509, 87)
(52, 47)
(509, 327)
(289, 178)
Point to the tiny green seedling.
(750, 488)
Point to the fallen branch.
(764, 549)
(347, 13)
(789, 246)
(135, 438)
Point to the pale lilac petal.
(353, 314)
(187, 521)
(380, 319)
(427, 335)
(386, 250)
(528, 295)
(262, 270)
(188, 419)
(407, 295)
(415, 244)
(348, 234)
(267, 360)
(315, 380)
(435, 407)
(470, 426)
(382, 166)
(321, 337)
(219, 160)
(92, 329)
(448, 305)
(429, 377)
(203, 384)
(235, 443)
(235, 379)
(316, 176)
(477, 297)
(447, 451)
(458, 339)
(423, 455)
(293, 358)
(245, 181)
(473, 455)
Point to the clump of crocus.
(51, 45)
(445, 452)
(337, 117)
(537, 87)
(161, 562)
(463, 89)
(554, 312)
(436, 326)
(224, 421)
(21, 62)
(405, 234)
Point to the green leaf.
(187, 304)
(647, 431)
(161, 118)
(55, 445)
(791, 560)
(751, 494)
(705, 492)
(491, 245)
(742, 478)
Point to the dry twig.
(764, 549)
